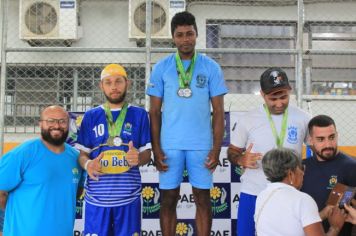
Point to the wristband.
(86, 164)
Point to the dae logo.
(151, 205)
(184, 229)
(219, 198)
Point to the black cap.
(273, 80)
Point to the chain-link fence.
(53, 52)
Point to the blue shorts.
(113, 221)
(245, 220)
(194, 161)
(2, 213)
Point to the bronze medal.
(110, 141)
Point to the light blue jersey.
(114, 189)
(42, 187)
(186, 122)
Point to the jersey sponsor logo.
(292, 135)
(332, 181)
(150, 197)
(114, 162)
(201, 81)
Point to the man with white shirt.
(274, 124)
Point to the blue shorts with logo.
(2, 213)
(194, 161)
(113, 221)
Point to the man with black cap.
(272, 125)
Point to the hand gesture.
(249, 159)
(351, 214)
(326, 211)
(336, 218)
(94, 167)
(212, 160)
(132, 155)
(159, 158)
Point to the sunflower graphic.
(78, 120)
(181, 229)
(215, 193)
(217, 198)
(147, 193)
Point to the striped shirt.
(123, 186)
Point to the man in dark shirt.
(326, 167)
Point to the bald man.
(41, 177)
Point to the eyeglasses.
(52, 122)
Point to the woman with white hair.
(281, 209)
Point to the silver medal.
(187, 92)
(180, 92)
(117, 141)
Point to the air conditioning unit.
(162, 13)
(48, 20)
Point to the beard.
(117, 100)
(56, 141)
(326, 157)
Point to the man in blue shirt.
(184, 85)
(114, 140)
(41, 178)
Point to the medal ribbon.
(185, 77)
(279, 138)
(115, 127)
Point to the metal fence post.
(3, 72)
